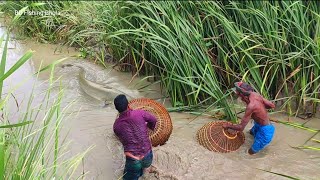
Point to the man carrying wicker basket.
(256, 108)
(131, 127)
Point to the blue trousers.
(263, 135)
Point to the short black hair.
(121, 103)
(246, 87)
(243, 88)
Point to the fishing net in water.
(163, 128)
(215, 138)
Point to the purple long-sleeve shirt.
(131, 127)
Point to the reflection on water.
(182, 157)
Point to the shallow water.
(90, 124)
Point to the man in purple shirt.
(131, 127)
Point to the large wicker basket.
(215, 138)
(163, 128)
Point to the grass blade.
(2, 154)
(3, 61)
(17, 65)
(279, 174)
(16, 125)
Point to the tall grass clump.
(31, 145)
(173, 49)
(197, 50)
(67, 24)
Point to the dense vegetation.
(196, 50)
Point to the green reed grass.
(33, 151)
(197, 49)
(298, 125)
(309, 147)
(316, 140)
(280, 174)
(2, 152)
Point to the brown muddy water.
(90, 125)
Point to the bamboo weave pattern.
(164, 127)
(213, 137)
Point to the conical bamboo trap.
(215, 138)
(163, 128)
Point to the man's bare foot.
(251, 152)
(250, 132)
(151, 169)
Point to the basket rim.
(205, 139)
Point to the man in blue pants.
(256, 109)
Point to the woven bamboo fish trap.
(215, 138)
(163, 128)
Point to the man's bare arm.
(268, 104)
(244, 121)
